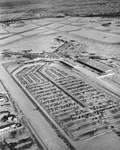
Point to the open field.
(97, 34)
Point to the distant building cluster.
(28, 54)
(14, 135)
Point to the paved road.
(41, 126)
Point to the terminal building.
(95, 65)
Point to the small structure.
(51, 55)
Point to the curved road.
(41, 126)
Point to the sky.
(4, 1)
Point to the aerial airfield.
(60, 84)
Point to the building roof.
(94, 64)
